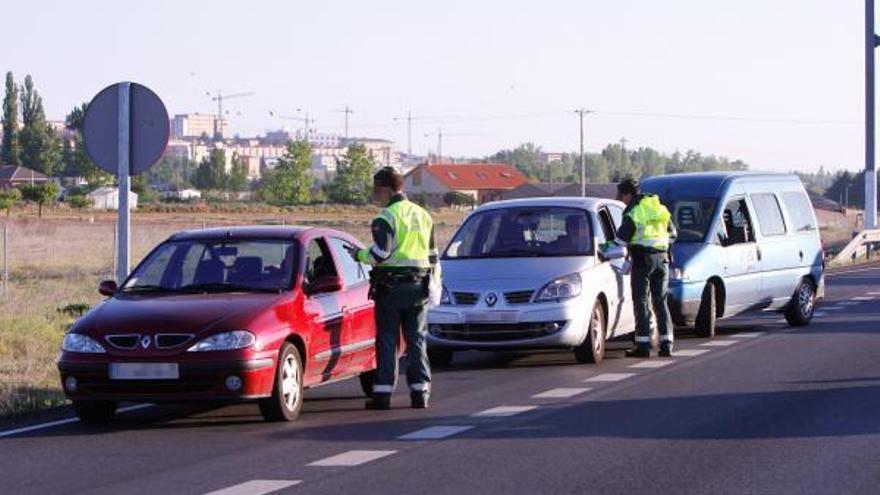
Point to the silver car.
(533, 274)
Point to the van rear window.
(800, 211)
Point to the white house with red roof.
(482, 181)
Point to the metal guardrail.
(857, 247)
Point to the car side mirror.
(325, 284)
(612, 252)
(108, 288)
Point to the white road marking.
(863, 298)
(719, 343)
(504, 411)
(560, 393)
(652, 364)
(609, 377)
(689, 352)
(434, 432)
(744, 335)
(832, 308)
(66, 421)
(873, 293)
(847, 303)
(353, 458)
(256, 487)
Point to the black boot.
(639, 352)
(379, 402)
(665, 351)
(418, 400)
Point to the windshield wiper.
(223, 287)
(145, 289)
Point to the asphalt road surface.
(762, 408)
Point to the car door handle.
(758, 251)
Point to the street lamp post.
(871, 42)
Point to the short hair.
(628, 186)
(388, 177)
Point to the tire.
(95, 412)
(705, 324)
(366, 378)
(287, 394)
(803, 302)
(440, 357)
(592, 350)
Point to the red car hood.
(184, 313)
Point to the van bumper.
(684, 301)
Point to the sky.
(777, 83)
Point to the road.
(762, 408)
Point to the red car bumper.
(205, 380)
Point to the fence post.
(6, 261)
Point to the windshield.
(692, 217)
(523, 232)
(216, 266)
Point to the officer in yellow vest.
(647, 228)
(404, 257)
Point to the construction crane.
(305, 120)
(347, 111)
(219, 97)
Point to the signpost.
(125, 131)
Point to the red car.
(243, 313)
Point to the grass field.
(56, 262)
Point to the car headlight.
(226, 341)
(77, 342)
(445, 298)
(561, 288)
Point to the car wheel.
(592, 350)
(287, 394)
(95, 412)
(440, 357)
(800, 309)
(705, 324)
(366, 378)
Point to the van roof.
(709, 183)
(587, 203)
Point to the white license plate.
(144, 371)
(492, 317)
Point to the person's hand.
(352, 251)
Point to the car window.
(522, 232)
(736, 223)
(769, 214)
(319, 262)
(616, 215)
(800, 211)
(353, 273)
(606, 227)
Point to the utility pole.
(581, 112)
(409, 134)
(347, 111)
(439, 145)
(871, 42)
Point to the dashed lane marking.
(689, 352)
(560, 393)
(652, 364)
(504, 411)
(819, 314)
(863, 298)
(609, 377)
(847, 303)
(50, 424)
(873, 293)
(353, 458)
(256, 487)
(718, 343)
(744, 335)
(435, 432)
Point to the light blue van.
(746, 241)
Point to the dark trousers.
(402, 307)
(650, 280)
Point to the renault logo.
(145, 341)
(491, 299)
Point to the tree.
(11, 150)
(8, 198)
(211, 173)
(353, 183)
(40, 194)
(525, 157)
(78, 201)
(74, 157)
(290, 182)
(238, 177)
(40, 147)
